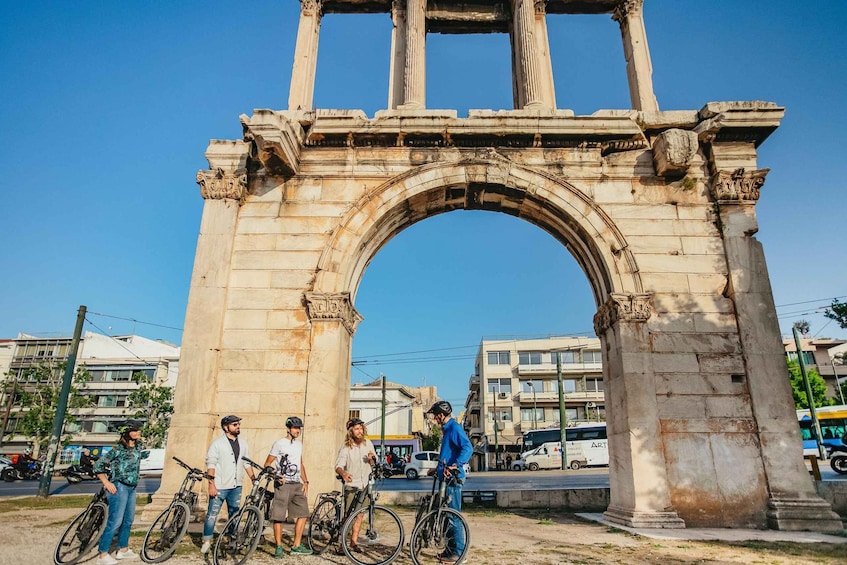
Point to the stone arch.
(554, 205)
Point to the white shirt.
(355, 461)
(228, 473)
(294, 450)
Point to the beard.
(235, 432)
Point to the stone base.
(803, 514)
(637, 519)
(158, 502)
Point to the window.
(500, 385)
(592, 357)
(529, 357)
(569, 384)
(594, 385)
(536, 386)
(808, 357)
(498, 358)
(354, 414)
(526, 415)
(565, 356)
(503, 414)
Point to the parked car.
(152, 466)
(4, 463)
(421, 462)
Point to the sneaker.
(279, 553)
(301, 550)
(128, 554)
(207, 545)
(106, 560)
(450, 559)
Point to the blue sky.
(106, 109)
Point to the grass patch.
(546, 522)
(36, 502)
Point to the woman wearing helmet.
(118, 470)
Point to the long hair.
(350, 441)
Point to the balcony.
(567, 368)
(526, 398)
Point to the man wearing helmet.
(456, 450)
(353, 465)
(290, 494)
(222, 463)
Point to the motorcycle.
(838, 459)
(75, 474)
(32, 470)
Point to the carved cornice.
(219, 184)
(540, 7)
(622, 307)
(738, 186)
(311, 7)
(327, 306)
(625, 8)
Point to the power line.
(118, 342)
(829, 300)
(136, 321)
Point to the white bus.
(587, 437)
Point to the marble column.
(639, 69)
(397, 68)
(195, 420)
(548, 89)
(414, 70)
(302, 91)
(333, 323)
(640, 492)
(531, 83)
(793, 503)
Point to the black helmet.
(227, 420)
(130, 426)
(293, 422)
(441, 407)
(354, 422)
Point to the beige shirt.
(354, 460)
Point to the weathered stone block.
(673, 151)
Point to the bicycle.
(83, 533)
(381, 535)
(243, 531)
(434, 534)
(168, 529)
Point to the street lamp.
(563, 417)
(534, 405)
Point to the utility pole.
(809, 397)
(563, 417)
(61, 409)
(496, 445)
(382, 424)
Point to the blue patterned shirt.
(124, 462)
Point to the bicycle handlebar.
(290, 469)
(199, 472)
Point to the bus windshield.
(833, 422)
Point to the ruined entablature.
(622, 307)
(326, 306)
(738, 186)
(220, 184)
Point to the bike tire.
(433, 536)
(324, 526)
(81, 535)
(380, 538)
(239, 538)
(165, 533)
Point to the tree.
(38, 390)
(154, 404)
(798, 389)
(838, 312)
(803, 327)
(432, 439)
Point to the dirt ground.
(497, 537)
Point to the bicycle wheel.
(81, 535)
(240, 537)
(165, 533)
(324, 526)
(441, 533)
(380, 537)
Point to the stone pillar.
(195, 420)
(327, 397)
(302, 89)
(414, 70)
(397, 70)
(793, 503)
(640, 493)
(548, 89)
(639, 70)
(530, 85)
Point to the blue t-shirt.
(456, 448)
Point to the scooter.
(75, 474)
(838, 459)
(16, 473)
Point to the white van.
(549, 456)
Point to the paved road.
(507, 480)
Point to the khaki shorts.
(290, 501)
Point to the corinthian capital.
(219, 184)
(540, 7)
(738, 185)
(625, 8)
(310, 7)
(337, 307)
(398, 5)
(622, 307)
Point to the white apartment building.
(515, 386)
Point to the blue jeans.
(456, 542)
(232, 496)
(121, 514)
